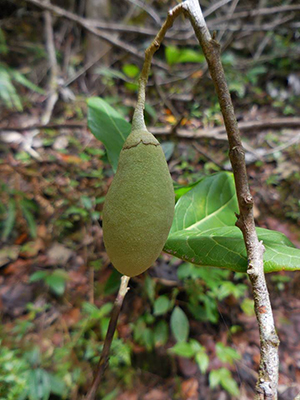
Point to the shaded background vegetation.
(56, 282)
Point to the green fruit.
(139, 207)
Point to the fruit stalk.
(138, 116)
(108, 338)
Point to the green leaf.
(239, 88)
(225, 248)
(148, 338)
(201, 357)
(3, 46)
(26, 211)
(202, 361)
(185, 270)
(204, 231)
(113, 282)
(228, 383)
(111, 73)
(131, 70)
(230, 386)
(168, 148)
(180, 190)
(214, 378)
(190, 56)
(172, 54)
(161, 333)
(183, 350)
(95, 312)
(230, 288)
(10, 219)
(161, 305)
(105, 310)
(196, 346)
(247, 306)
(211, 203)
(8, 93)
(39, 384)
(150, 288)
(57, 282)
(57, 385)
(22, 80)
(37, 276)
(226, 354)
(179, 325)
(108, 126)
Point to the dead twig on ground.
(207, 156)
(219, 132)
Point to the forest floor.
(64, 184)
(57, 285)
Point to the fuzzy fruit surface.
(139, 206)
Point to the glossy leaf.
(204, 231)
(211, 203)
(108, 126)
(225, 248)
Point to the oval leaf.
(204, 231)
(161, 333)
(161, 305)
(108, 126)
(209, 204)
(179, 325)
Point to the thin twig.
(182, 34)
(215, 7)
(230, 13)
(267, 384)
(53, 83)
(108, 338)
(249, 126)
(85, 24)
(207, 156)
(255, 12)
(148, 10)
(165, 100)
(138, 116)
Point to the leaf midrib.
(215, 213)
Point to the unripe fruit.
(139, 206)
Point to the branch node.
(248, 200)
(239, 222)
